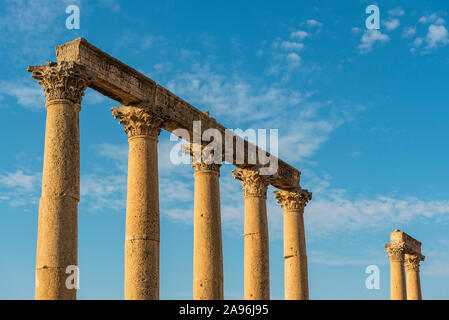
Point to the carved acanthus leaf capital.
(203, 157)
(138, 121)
(396, 251)
(62, 80)
(293, 199)
(411, 262)
(253, 184)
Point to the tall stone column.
(207, 239)
(57, 237)
(397, 275)
(256, 262)
(293, 203)
(142, 207)
(413, 280)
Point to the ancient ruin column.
(207, 240)
(397, 274)
(256, 262)
(142, 205)
(413, 280)
(296, 278)
(57, 237)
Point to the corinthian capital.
(253, 184)
(293, 199)
(396, 251)
(62, 80)
(138, 121)
(203, 157)
(411, 262)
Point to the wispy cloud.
(391, 24)
(369, 38)
(396, 12)
(408, 32)
(27, 95)
(437, 36)
(432, 18)
(314, 23)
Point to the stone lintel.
(411, 245)
(124, 84)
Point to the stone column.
(397, 274)
(142, 206)
(296, 278)
(57, 237)
(207, 239)
(256, 268)
(413, 280)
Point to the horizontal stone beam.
(411, 245)
(122, 83)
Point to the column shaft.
(411, 263)
(296, 277)
(142, 205)
(397, 284)
(256, 268)
(293, 203)
(57, 236)
(142, 220)
(57, 239)
(413, 285)
(207, 242)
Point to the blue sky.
(362, 114)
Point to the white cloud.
(436, 36)
(369, 38)
(19, 179)
(396, 12)
(408, 32)
(391, 24)
(232, 97)
(30, 96)
(293, 60)
(299, 35)
(356, 30)
(292, 46)
(418, 42)
(336, 211)
(432, 18)
(313, 23)
(103, 191)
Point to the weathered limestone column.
(142, 207)
(57, 237)
(207, 239)
(256, 265)
(413, 280)
(296, 278)
(397, 275)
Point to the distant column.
(413, 279)
(57, 236)
(293, 203)
(142, 205)
(256, 265)
(397, 275)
